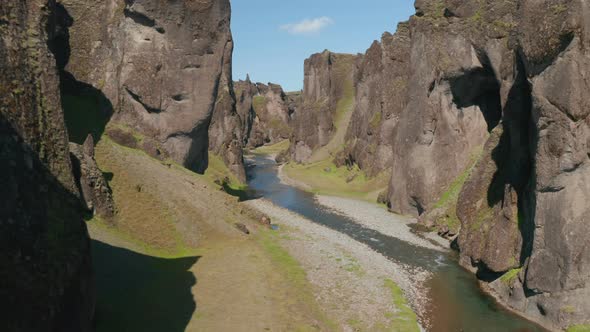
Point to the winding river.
(457, 302)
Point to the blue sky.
(273, 37)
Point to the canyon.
(471, 118)
(476, 109)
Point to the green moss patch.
(296, 276)
(579, 328)
(509, 277)
(219, 172)
(448, 199)
(375, 121)
(325, 178)
(272, 149)
(404, 319)
(141, 218)
(259, 103)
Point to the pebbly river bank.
(445, 296)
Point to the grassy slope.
(404, 319)
(174, 242)
(327, 179)
(272, 149)
(321, 174)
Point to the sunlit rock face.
(328, 85)
(165, 67)
(265, 111)
(380, 97)
(494, 112)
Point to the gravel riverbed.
(348, 277)
(379, 219)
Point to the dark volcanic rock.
(94, 189)
(380, 98)
(504, 77)
(166, 69)
(328, 81)
(225, 130)
(46, 282)
(519, 71)
(530, 210)
(490, 218)
(265, 112)
(453, 99)
(242, 228)
(554, 38)
(123, 137)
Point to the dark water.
(458, 304)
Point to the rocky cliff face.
(225, 130)
(477, 108)
(493, 139)
(165, 70)
(381, 91)
(265, 112)
(452, 90)
(93, 187)
(327, 96)
(553, 44)
(45, 249)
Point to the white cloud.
(308, 26)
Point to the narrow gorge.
(439, 181)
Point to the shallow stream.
(457, 302)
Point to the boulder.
(242, 228)
(94, 188)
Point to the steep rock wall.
(45, 250)
(553, 40)
(380, 85)
(225, 130)
(165, 69)
(265, 113)
(328, 85)
(510, 75)
(453, 101)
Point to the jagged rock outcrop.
(46, 280)
(381, 91)
(225, 130)
(453, 101)
(165, 68)
(328, 94)
(265, 111)
(553, 42)
(93, 187)
(512, 75)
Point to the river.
(456, 301)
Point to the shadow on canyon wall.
(86, 109)
(46, 274)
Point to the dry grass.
(162, 204)
(139, 210)
(173, 259)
